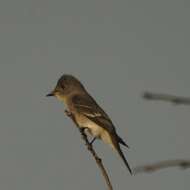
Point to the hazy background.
(118, 49)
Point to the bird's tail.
(119, 151)
(121, 141)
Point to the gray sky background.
(117, 49)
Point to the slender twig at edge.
(149, 168)
(177, 100)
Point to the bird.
(87, 113)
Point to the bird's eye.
(62, 86)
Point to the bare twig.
(92, 151)
(183, 164)
(166, 97)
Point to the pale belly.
(97, 131)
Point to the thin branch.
(177, 100)
(92, 151)
(182, 164)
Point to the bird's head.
(65, 86)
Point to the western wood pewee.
(88, 114)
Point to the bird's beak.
(50, 94)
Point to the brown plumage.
(88, 113)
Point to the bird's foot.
(68, 113)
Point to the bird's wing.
(87, 106)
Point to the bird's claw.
(68, 113)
